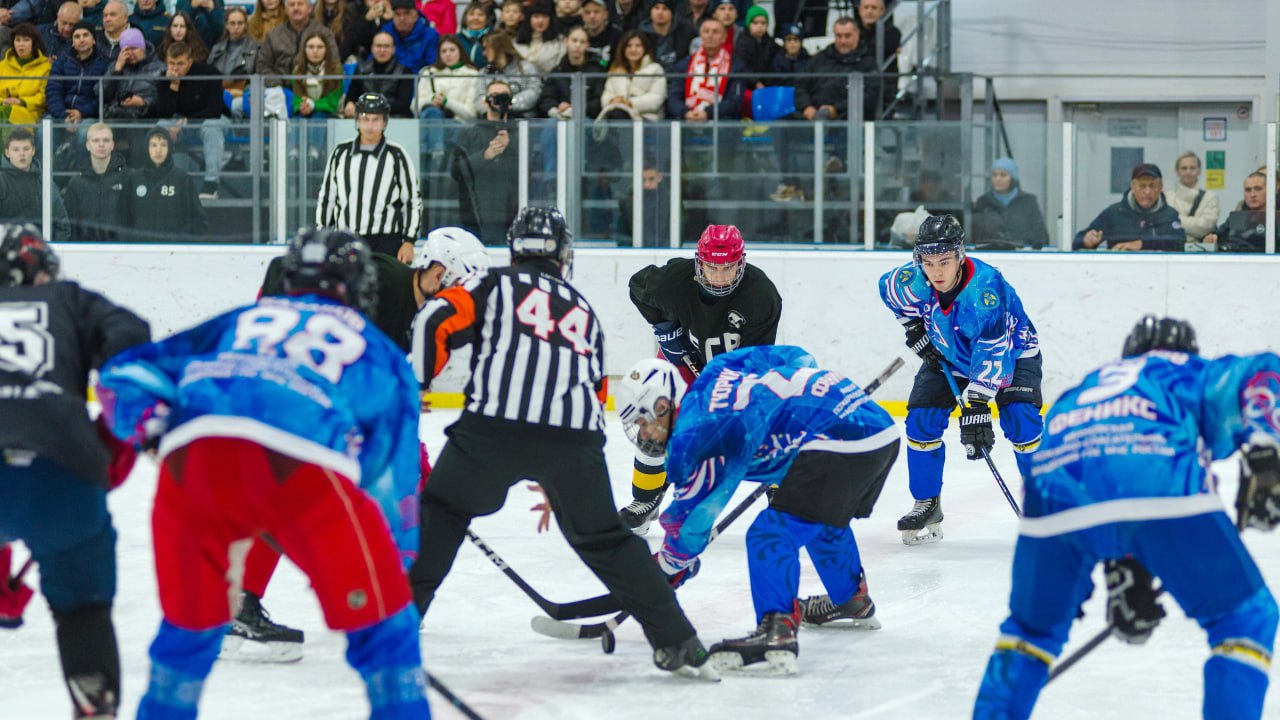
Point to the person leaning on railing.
(1245, 229)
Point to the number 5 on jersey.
(535, 311)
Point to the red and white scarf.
(706, 81)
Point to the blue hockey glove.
(1258, 499)
(677, 571)
(918, 342)
(975, 428)
(673, 342)
(1133, 611)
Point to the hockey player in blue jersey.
(767, 414)
(295, 420)
(961, 316)
(1123, 477)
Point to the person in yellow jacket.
(22, 99)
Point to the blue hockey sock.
(926, 454)
(180, 662)
(1012, 681)
(389, 661)
(1236, 674)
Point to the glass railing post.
(868, 185)
(279, 179)
(637, 183)
(47, 188)
(819, 178)
(256, 138)
(1272, 143)
(522, 163)
(1068, 185)
(677, 182)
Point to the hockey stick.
(604, 630)
(955, 390)
(22, 571)
(454, 700)
(1087, 648)
(590, 607)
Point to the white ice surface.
(940, 605)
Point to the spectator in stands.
(827, 98)
(1006, 217)
(398, 88)
(712, 87)
(57, 34)
(416, 41)
(159, 202)
(726, 11)
(93, 10)
(486, 166)
(756, 48)
(568, 14)
(635, 87)
(129, 91)
(442, 14)
(626, 14)
(280, 52)
(17, 12)
(539, 40)
(557, 98)
(603, 34)
(521, 77)
(93, 197)
(1198, 209)
(316, 96)
(72, 93)
(446, 89)
(22, 93)
(510, 17)
(21, 196)
(114, 21)
(181, 30)
(344, 21)
(191, 100)
(670, 34)
(235, 55)
(810, 15)
(266, 15)
(1245, 229)
(208, 16)
(150, 17)
(1140, 221)
(870, 16)
(793, 58)
(694, 13)
(475, 26)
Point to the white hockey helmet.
(651, 390)
(460, 252)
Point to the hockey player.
(767, 415)
(699, 307)
(442, 259)
(294, 420)
(961, 316)
(535, 410)
(54, 473)
(1123, 477)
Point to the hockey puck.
(608, 642)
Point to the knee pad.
(925, 426)
(1247, 635)
(1022, 425)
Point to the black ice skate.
(773, 642)
(923, 523)
(254, 638)
(689, 658)
(859, 609)
(640, 513)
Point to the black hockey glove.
(975, 428)
(918, 343)
(1258, 499)
(1133, 611)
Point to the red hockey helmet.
(720, 251)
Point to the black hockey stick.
(22, 571)
(590, 607)
(1087, 648)
(604, 630)
(454, 700)
(955, 390)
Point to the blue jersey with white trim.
(984, 331)
(340, 392)
(1148, 426)
(746, 417)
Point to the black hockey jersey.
(744, 318)
(51, 336)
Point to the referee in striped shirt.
(370, 185)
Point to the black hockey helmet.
(373, 103)
(24, 254)
(940, 234)
(541, 232)
(1153, 333)
(333, 263)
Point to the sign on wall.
(1215, 169)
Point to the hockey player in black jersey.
(535, 410)
(56, 470)
(699, 307)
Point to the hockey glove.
(677, 571)
(154, 424)
(918, 342)
(975, 428)
(14, 594)
(1258, 499)
(675, 345)
(1133, 611)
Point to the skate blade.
(869, 623)
(776, 663)
(642, 529)
(931, 534)
(706, 672)
(238, 649)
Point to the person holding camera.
(486, 164)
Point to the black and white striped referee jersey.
(373, 192)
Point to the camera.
(500, 103)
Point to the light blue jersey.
(982, 333)
(747, 417)
(305, 376)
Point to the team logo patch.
(357, 599)
(989, 299)
(1262, 399)
(736, 320)
(141, 191)
(635, 374)
(906, 275)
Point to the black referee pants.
(484, 458)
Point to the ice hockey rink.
(940, 606)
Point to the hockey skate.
(773, 642)
(819, 610)
(254, 638)
(640, 513)
(689, 659)
(923, 523)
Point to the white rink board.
(1082, 305)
